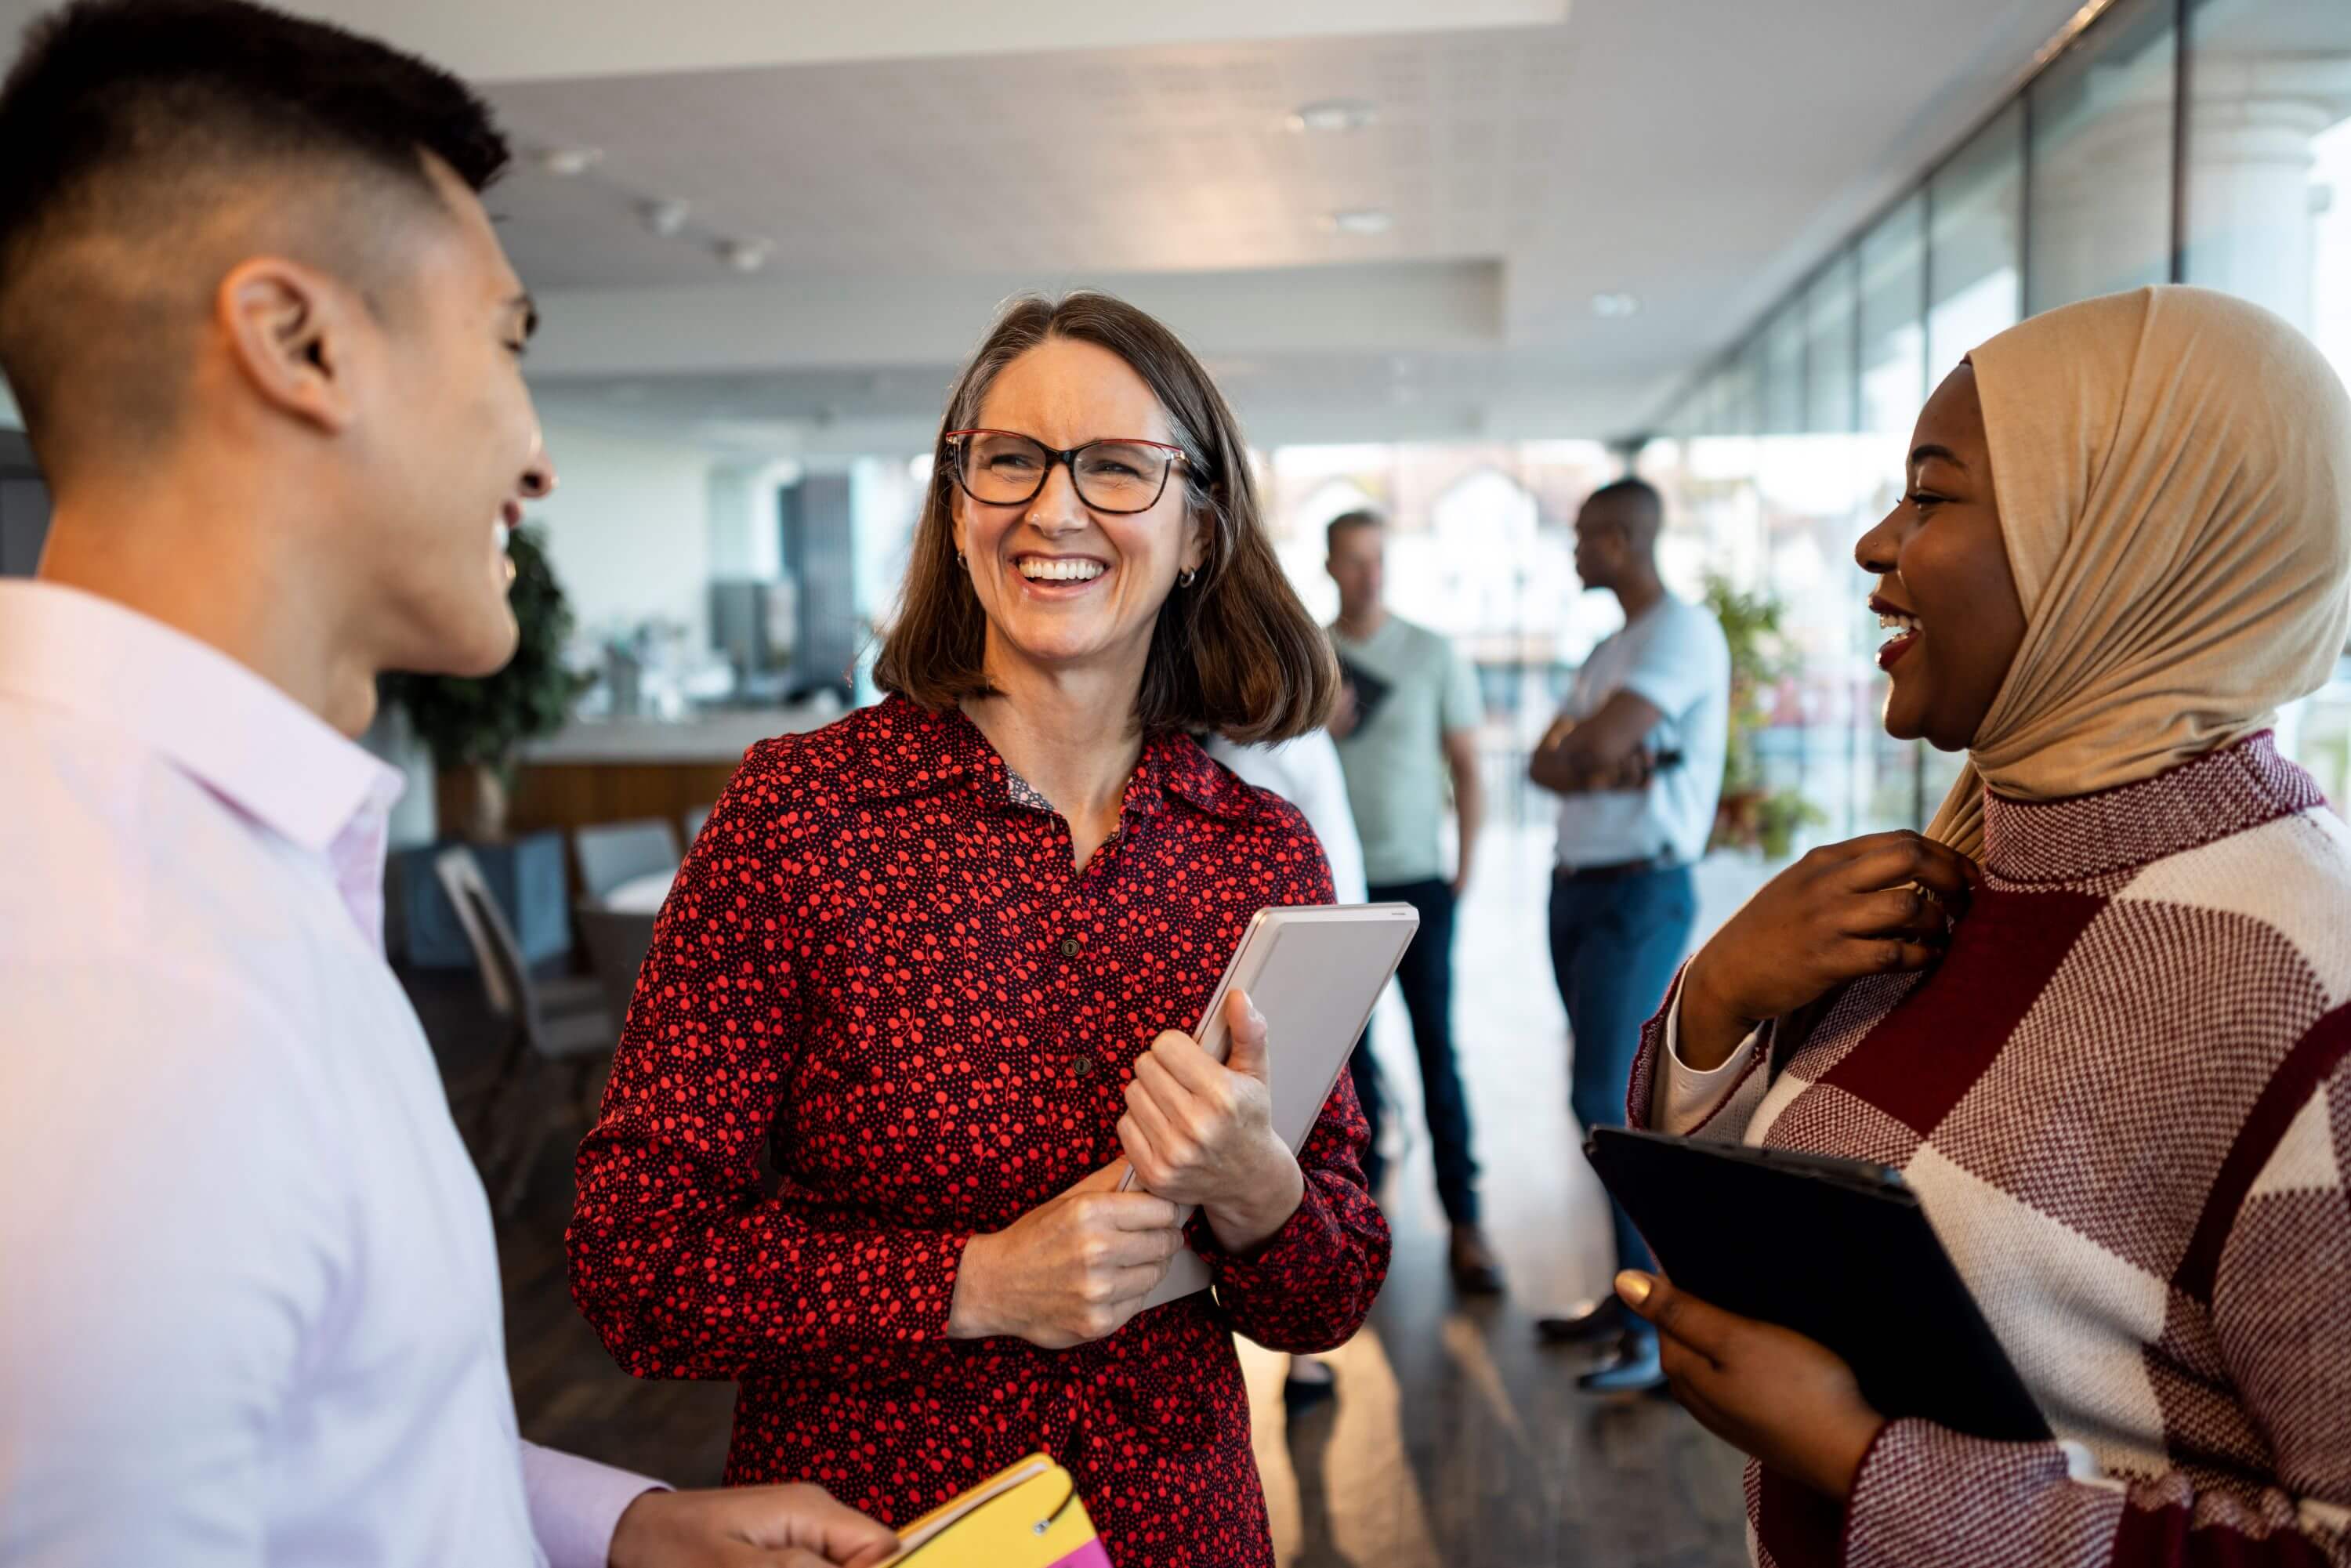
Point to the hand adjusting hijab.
(2173, 472)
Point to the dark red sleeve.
(682, 1265)
(1311, 1285)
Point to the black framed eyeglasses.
(1004, 468)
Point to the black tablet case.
(1838, 1251)
(1370, 690)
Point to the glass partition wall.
(2204, 141)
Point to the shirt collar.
(934, 748)
(216, 720)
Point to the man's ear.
(290, 330)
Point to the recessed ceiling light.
(1333, 114)
(1614, 307)
(568, 162)
(746, 255)
(1360, 221)
(663, 217)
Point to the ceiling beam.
(517, 42)
(802, 323)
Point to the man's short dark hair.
(131, 125)
(1346, 522)
(1639, 492)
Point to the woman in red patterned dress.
(933, 961)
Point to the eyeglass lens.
(1007, 470)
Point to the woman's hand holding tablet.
(1072, 1270)
(1201, 1132)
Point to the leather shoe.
(1633, 1369)
(1475, 1271)
(1585, 1322)
(1301, 1394)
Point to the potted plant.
(1750, 816)
(473, 726)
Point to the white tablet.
(1315, 972)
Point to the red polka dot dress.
(879, 969)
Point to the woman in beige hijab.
(2100, 1018)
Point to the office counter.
(616, 770)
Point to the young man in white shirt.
(265, 343)
(1636, 757)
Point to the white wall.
(628, 530)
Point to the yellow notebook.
(1027, 1516)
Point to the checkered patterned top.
(2124, 1100)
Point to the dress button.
(1068, 946)
(1081, 1066)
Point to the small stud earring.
(1188, 576)
(961, 564)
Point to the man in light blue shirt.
(1636, 757)
(1408, 734)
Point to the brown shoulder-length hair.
(1235, 653)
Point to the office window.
(1974, 256)
(1784, 371)
(1892, 263)
(2269, 161)
(2102, 159)
(1748, 375)
(2268, 217)
(1832, 318)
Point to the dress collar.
(2209, 797)
(931, 748)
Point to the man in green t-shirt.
(1406, 728)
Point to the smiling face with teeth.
(1065, 588)
(1946, 596)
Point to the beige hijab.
(2173, 470)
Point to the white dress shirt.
(1306, 772)
(249, 1298)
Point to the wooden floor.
(1454, 1441)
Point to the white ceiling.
(912, 162)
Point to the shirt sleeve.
(1683, 664)
(1310, 1286)
(1460, 706)
(1667, 1095)
(1926, 1497)
(1686, 1097)
(172, 1249)
(576, 1504)
(678, 1258)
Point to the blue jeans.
(1426, 977)
(1614, 944)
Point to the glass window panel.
(1784, 371)
(2102, 156)
(1893, 261)
(1832, 384)
(2268, 217)
(1743, 391)
(1975, 205)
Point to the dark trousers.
(1615, 943)
(1364, 1070)
(1426, 977)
